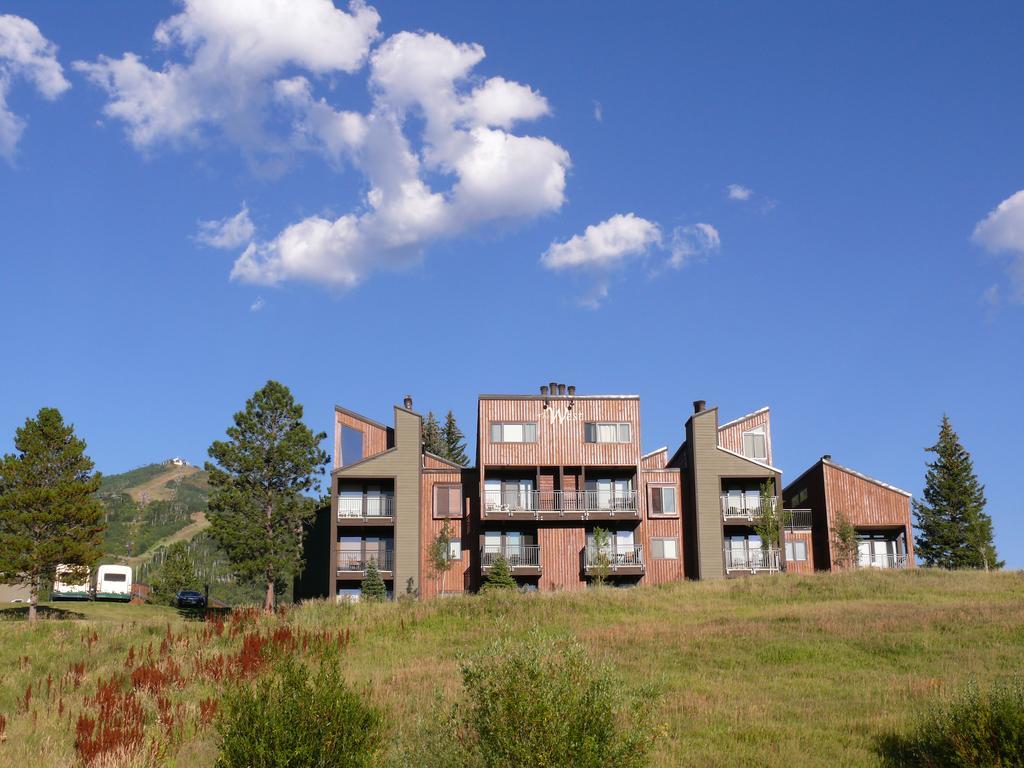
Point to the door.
(624, 547)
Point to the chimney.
(407, 402)
(554, 388)
(827, 457)
(561, 389)
(572, 390)
(544, 390)
(699, 405)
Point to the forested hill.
(157, 503)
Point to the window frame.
(433, 501)
(662, 540)
(501, 433)
(660, 487)
(755, 432)
(791, 552)
(591, 429)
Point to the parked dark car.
(188, 598)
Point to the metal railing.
(617, 557)
(349, 562)
(366, 506)
(560, 501)
(746, 507)
(523, 556)
(881, 561)
(796, 519)
(753, 560)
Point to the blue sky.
(404, 191)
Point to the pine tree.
(174, 574)
(48, 512)
(433, 441)
(454, 441)
(372, 588)
(258, 508)
(499, 577)
(955, 530)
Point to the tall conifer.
(433, 441)
(454, 441)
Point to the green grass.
(781, 671)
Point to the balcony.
(739, 561)
(353, 565)
(737, 509)
(522, 560)
(570, 505)
(366, 510)
(865, 560)
(796, 519)
(628, 561)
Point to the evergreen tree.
(258, 508)
(174, 574)
(433, 441)
(48, 512)
(372, 588)
(499, 577)
(844, 541)
(955, 531)
(454, 441)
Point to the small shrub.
(543, 704)
(297, 720)
(969, 730)
(373, 588)
(499, 577)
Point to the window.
(796, 551)
(663, 500)
(114, 577)
(664, 549)
(351, 446)
(612, 432)
(755, 444)
(800, 498)
(448, 501)
(454, 550)
(513, 432)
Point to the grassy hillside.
(780, 671)
(152, 506)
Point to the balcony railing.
(797, 519)
(753, 560)
(882, 561)
(525, 556)
(747, 508)
(365, 506)
(561, 501)
(353, 562)
(617, 558)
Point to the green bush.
(296, 720)
(499, 577)
(544, 704)
(972, 729)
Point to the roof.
(360, 416)
(443, 460)
(656, 450)
(744, 418)
(822, 461)
(558, 397)
(747, 458)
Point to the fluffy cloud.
(738, 192)
(232, 232)
(437, 148)
(604, 245)
(1002, 231)
(25, 54)
(695, 242)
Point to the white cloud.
(598, 112)
(436, 147)
(232, 232)
(691, 243)
(604, 245)
(1002, 231)
(738, 192)
(258, 305)
(25, 54)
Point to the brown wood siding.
(657, 460)
(731, 437)
(560, 549)
(661, 571)
(866, 504)
(559, 443)
(805, 566)
(458, 577)
(432, 462)
(813, 481)
(375, 438)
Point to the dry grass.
(782, 671)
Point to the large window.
(351, 446)
(513, 432)
(448, 501)
(796, 551)
(606, 432)
(664, 549)
(663, 500)
(755, 444)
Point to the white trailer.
(113, 582)
(72, 583)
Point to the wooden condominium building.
(551, 470)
